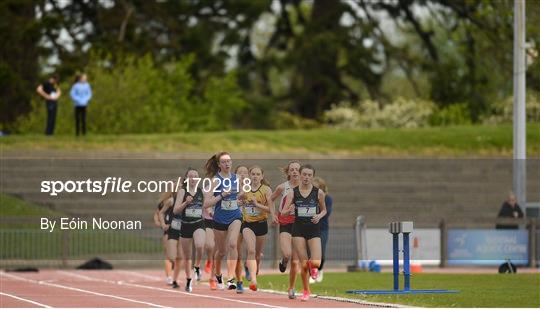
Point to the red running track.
(141, 289)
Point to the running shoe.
(319, 277)
(231, 285)
(291, 293)
(213, 284)
(312, 281)
(253, 286)
(313, 271)
(208, 266)
(189, 286)
(219, 280)
(198, 274)
(239, 287)
(169, 280)
(175, 285)
(305, 296)
(248, 275)
(282, 266)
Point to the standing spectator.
(50, 91)
(80, 93)
(510, 209)
(321, 184)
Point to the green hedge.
(135, 95)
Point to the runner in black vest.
(191, 212)
(309, 207)
(172, 228)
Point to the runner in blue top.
(223, 195)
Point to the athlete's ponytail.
(212, 165)
(165, 196)
(320, 183)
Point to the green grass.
(22, 238)
(481, 140)
(475, 290)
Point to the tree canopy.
(287, 55)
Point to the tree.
(18, 59)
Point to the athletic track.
(128, 288)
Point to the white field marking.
(81, 290)
(26, 300)
(343, 299)
(358, 301)
(169, 290)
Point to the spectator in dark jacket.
(510, 209)
(50, 91)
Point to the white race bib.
(307, 211)
(229, 205)
(194, 212)
(176, 224)
(252, 210)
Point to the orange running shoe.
(213, 284)
(208, 266)
(253, 287)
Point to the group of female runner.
(232, 211)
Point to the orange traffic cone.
(416, 266)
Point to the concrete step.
(383, 190)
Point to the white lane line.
(332, 298)
(202, 295)
(136, 274)
(86, 278)
(169, 290)
(26, 300)
(343, 300)
(80, 290)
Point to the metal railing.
(20, 246)
(23, 246)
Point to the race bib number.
(194, 212)
(307, 211)
(252, 210)
(229, 205)
(176, 224)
